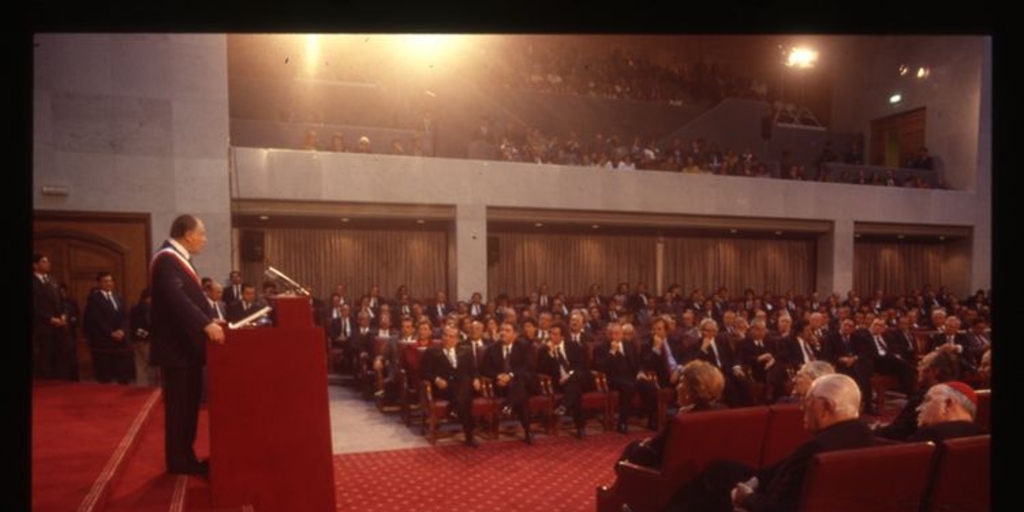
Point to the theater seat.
(738, 435)
(783, 433)
(984, 413)
(890, 478)
(962, 477)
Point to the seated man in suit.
(621, 366)
(883, 359)
(451, 372)
(948, 411)
(508, 363)
(842, 350)
(831, 412)
(658, 360)
(245, 306)
(902, 340)
(803, 378)
(564, 362)
(757, 354)
(951, 339)
(715, 348)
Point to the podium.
(270, 432)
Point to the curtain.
(570, 263)
(738, 264)
(322, 258)
(895, 268)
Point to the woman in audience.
(700, 389)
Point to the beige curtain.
(358, 258)
(569, 263)
(761, 264)
(895, 268)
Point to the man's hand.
(378, 364)
(504, 379)
(118, 335)
(441, 383)
(476, 384)
(57, 321)
(215, 333)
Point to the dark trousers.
(860, 372)
(891, 366)
(113, 362)
(629, 386)
(710, 489)
(572, 396)
(517, 392)
(182, 389)
(53, 355)
(459, 395)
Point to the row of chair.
(760, 436)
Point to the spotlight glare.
(923, 73)
(802, 58)
(895, 98)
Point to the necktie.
(562, 360)
(110, 297)
(451, 357)
(808, 355)
(881, 345)
(718, 361)
(507, 363)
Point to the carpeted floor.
(556, 474)
(76, 427)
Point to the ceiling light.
(264, 217)
(901, 237)
(923, 73)
(895, 98)
(856, 235)
(778, 232)
(942, 237)
(344, 219)
(595, 226)
(539, 224)
(420, 221)
(733, 231)
(903, 70)
(801, 58)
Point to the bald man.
(948, 411)
(831, 412)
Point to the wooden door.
(80, 245)
(894, 139)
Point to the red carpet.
(556, 474)
(77, 430)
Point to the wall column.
(835, 259)
(470, 268)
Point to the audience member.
(948, 411)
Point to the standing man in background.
(106, 328)
(181, 326)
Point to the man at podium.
(181, 326)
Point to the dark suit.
(179, 315)
(229, 294)
(775, 377)
(111, 358)
(736, 393)
(883, 361)
(963, 354)
(50, 344)
(791, 353)
(578, 382)
(903, 344)
(836, 346)
(237, 310)
(904, 424)
(779, 484)
(620, 370)
(459, 391)
(523, 383)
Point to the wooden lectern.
(270, 431)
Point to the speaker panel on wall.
(252, 246)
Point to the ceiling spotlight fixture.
(539, 224)
(420, 221)
(923, 73)
(942, 237)
(264, 217)
(344, 219)
(733, 231)
(901, 237)
(895, 98)
(778, 232)
(903, 70)
(856, 235)
(595, 226)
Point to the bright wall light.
(800, 57)
(312, 53)
(429, 49)
(895, 98)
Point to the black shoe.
(528, 437)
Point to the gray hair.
(815, 369)
(841, 391)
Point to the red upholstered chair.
(737, 433)
(435, 411)
(962, 479)
(891, 478)
(784, 432)
(983, 416)
(880, 384)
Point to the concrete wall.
(309, 176)
(135, 123)
(952, 93)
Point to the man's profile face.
(195, 240)
(249, 294)
(43, 266)
(107, 283)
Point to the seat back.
(962, 477)
(984, 412)
(890, 478)
(784, 432)
(738, 435)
